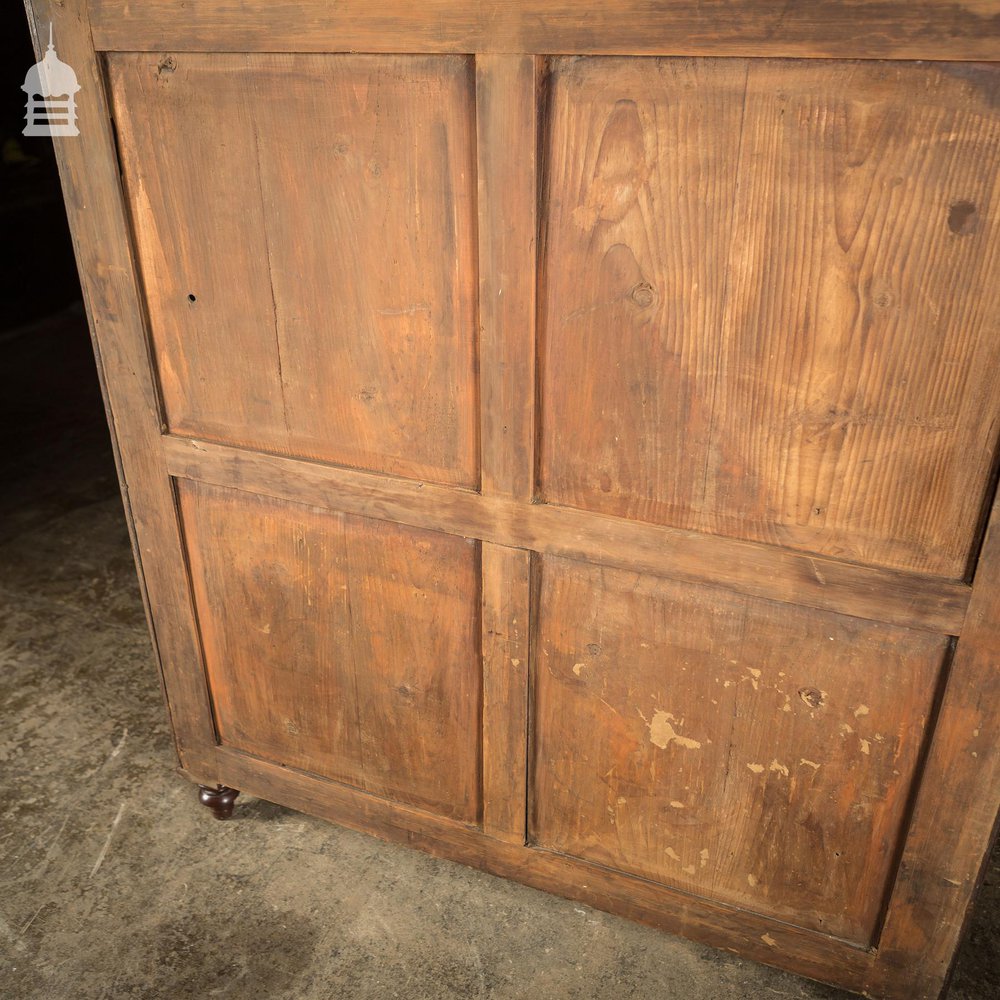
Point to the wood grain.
(324, 646)
(309, 252)
(766, 301)
(763, 400)
(876, 29)
(506, 625)
(745, 751)
(507, 131)
(750, 568)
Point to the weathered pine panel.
(324, 646)
(727, 746)
(571, 466)
(767, 301)
(306, 231)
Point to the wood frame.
(954, 816)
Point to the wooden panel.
(880, 29)
(749, 567)
(308, 244)
(507, 132)
(506, 596)
(958, 808)
(752, 753)
(767, 301)
(341, 645)
(89, 173)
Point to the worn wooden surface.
(763, 316)
(362, 354)
(734, 748)
(575, 467)
(507, 96)
(749, 567)
(506, 625)
(874, 29)
(324, 647)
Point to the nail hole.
(192, 297)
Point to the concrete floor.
(115, 884)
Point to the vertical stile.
(506, 112)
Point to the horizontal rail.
(845, 29)
(874, 593)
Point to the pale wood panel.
(746, 751)
(506, 599)
(879, 29)
(344, 646)
(306, 228)
(751, 568)
(767, 301)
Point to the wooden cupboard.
(562, 437)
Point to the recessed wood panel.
(341, 645)
(767, 301)
(753, 753)
(306, 232)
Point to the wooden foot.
(219, 799)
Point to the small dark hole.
(192, 298)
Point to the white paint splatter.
(662, 733)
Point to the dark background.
(55, 451)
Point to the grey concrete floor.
(115, 884)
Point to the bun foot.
(219, 799)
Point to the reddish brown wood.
(88, 168)
(370, 157)
(743, 234)
(575, 467)
(761, 570)
(506, 628)
(340, 645)
(874, 29)
(734, 748)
